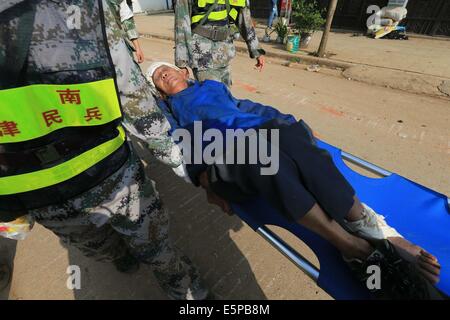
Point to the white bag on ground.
(394, 13)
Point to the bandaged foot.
(371, 226)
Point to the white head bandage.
(151, 70)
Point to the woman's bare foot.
(427, 264)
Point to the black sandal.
(399, 279)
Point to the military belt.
(213, 33)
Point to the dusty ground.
(419, 65)
(418, 55)
(402, 132)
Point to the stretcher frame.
(295, 257)
(292, 254)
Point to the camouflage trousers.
(120, 216)
(219, 74)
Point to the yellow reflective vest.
(201, 7)
(36, 111)
(60, 129)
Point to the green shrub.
(281, 29)
(307, 16)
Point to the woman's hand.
(212, 197)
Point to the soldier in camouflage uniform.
(209, 57)
(122, 218)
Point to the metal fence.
(431, 17)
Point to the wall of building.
(431, 17)
(151, 5)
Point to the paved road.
(418, 55)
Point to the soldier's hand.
(212, 197)
(260, 62)
(139, 55)
(138, 51)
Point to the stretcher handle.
(365, 164)
(369, 166)
(301, 262)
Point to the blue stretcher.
(421, 215)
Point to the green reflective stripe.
(236, 3)
(213, 16)
(206, 14)
(34, 111)
(196, 18)
(62, 172)
(217, 15)
(233, 13)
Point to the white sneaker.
(371, 226)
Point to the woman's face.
(169, 80)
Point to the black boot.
(127, 264)
(5, 276)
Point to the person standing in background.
(204, 34)
(273, 13)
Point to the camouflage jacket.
(56, 55)
(126, 19)
(201, 53)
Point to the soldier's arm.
(151, 127)
(130, 27)
(123, 12)
(127, 19)
(143, 119)
(133, 35)
(141, 116)
(183, 32)
(248, 33)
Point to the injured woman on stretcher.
(305, 185)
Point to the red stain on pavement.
(441, 148)
(332, 111)
(245, 86)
